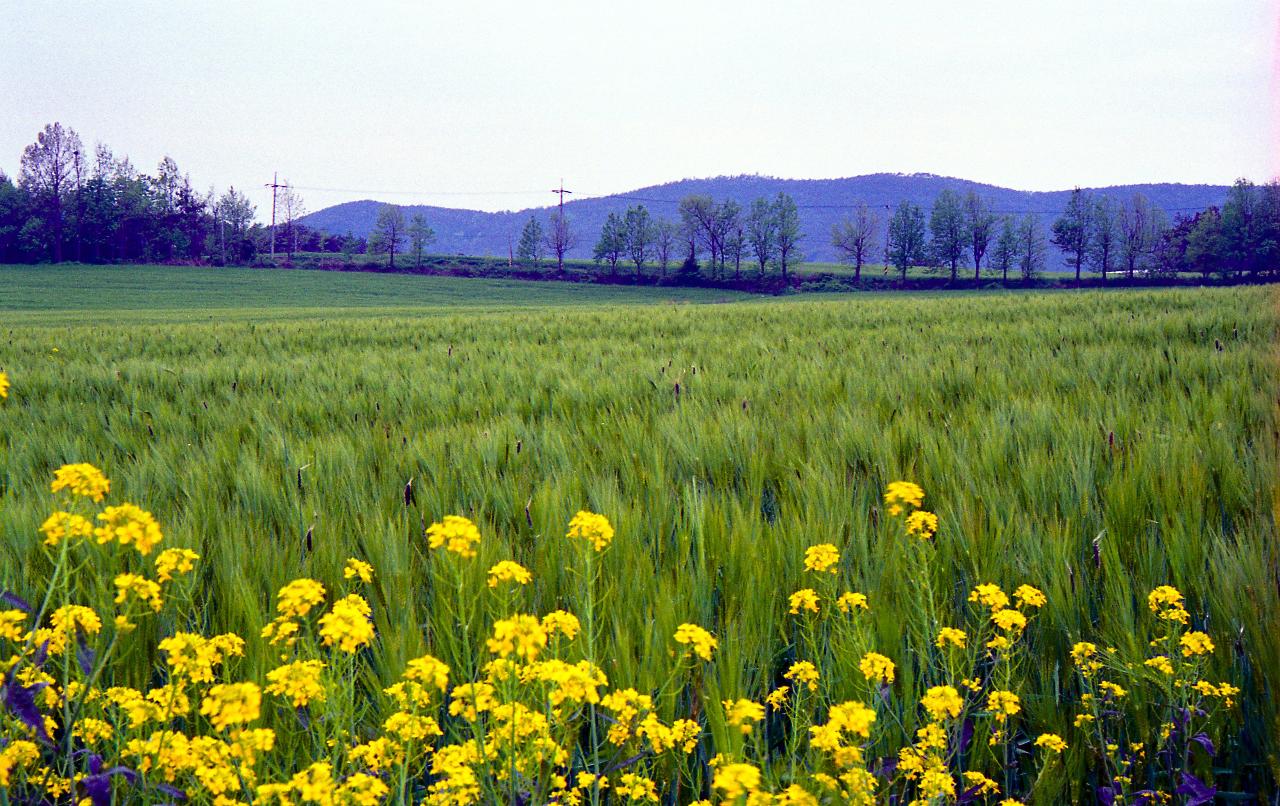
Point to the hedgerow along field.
(1094, 446)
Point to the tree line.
(1096, 234)
(74, 203)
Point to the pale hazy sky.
(489, 100)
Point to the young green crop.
(1095, 445)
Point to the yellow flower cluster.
(358, 569)
(592, 528)
(877, 668)
(805, 599)
(4, 385)
(455, 534)
(509, 571)
(1167, 603)
(299, 682)
(127, 524)
(822, 557)
(81, 479)
(697, 639)
(519, 724)
(347, 624)
(904, 498)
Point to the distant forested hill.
(822, 202)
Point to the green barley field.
(1094, 445)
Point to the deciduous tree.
(388, 233)
(854, 237)
(980, 224)
(905, 243)
(1072, 229)
(946, 224)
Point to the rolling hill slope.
(822, 202)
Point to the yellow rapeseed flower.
(17, 754)
(804, 599)
(172, 562)
(4, 385)
(699, 640)
(562, 623)
(63, 526)
(128, 524)
(950, 636)
(428, 670)
(1167, 603)
(1051, 741)
(980, 784)
(1003, 704)
(454, 534)
(358, 569)
(1160, 663)
(1009, 620)
(803, 673)
(594, 529)
(232, 704)
(902, 494)
(989, 594)
(742, 714)
(922, 524)
(520, 635)
(852, 717)
(635, 788)
(849, 601)
(1028, 596)
(145, 589)
(877, 667)
(1195, 643)
(81, 479)
(778, 697)
(942, 702)
(822, 557)
(347, 624)
(298, 597)
(736, 780)
(12, 624)
(509, 571)
(299, 682)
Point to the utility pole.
(561, 228)
(561, 191)
(275, 185)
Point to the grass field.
(110, 289)
(1094, 445)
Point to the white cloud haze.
(439, 98)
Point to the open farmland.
(1093, 445)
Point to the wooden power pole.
(560, 190)
(275, 185)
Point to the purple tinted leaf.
(1198, 792)
(1106, 795)
(95, 763)
(16, 601)
(1204, 741)
(98, 787)
(171, 791)
(84, 655)
(969, 795)
(886, 767)
(966, 735)
(21, 702)
(42, 655)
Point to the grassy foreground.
(1092, 445)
